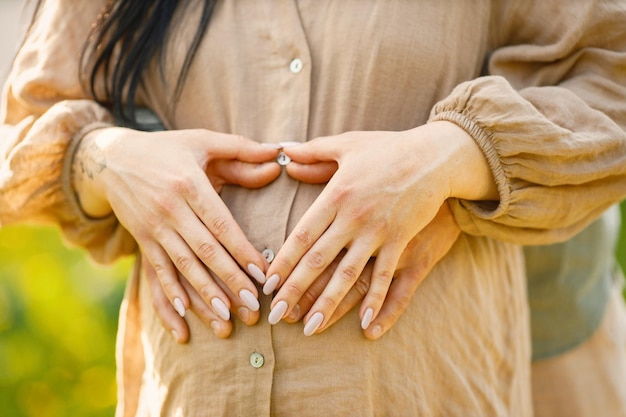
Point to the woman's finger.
(171, 320)
(353, 298)
(383, 273)
(344, 277)
(159, 263)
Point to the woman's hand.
(388, 186)
(163, 187)
(418, 259)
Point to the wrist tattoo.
(88, 161)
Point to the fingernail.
(313, 324)
(367, 318)
(220, 308)
(289, 144)
(256, 273)
(244, 314)
(271, 284)
(277, 312)
(272, 145)
(179, 306)
(249, 299)
(377, 331)
(176, 336)
(215, 325)
(295, 313)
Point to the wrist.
(88, 165)
(468, 172)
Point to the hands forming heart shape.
(373, 234)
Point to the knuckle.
(282, 265)
(207, 251)
(219, 226)
(402, 301)
(206, 292)
(231, 279)
(378, 295)
(183, 186)
(160, 269)
(385, 276)
(342, 194)
(303, 237)
(293, 291)
(309, 297)
(164, 205)
(183, 264)
(169, 286)
(327, 303)
(348, 274)
(315, 260)
(362, 286)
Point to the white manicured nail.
(367, 318)
(313, 324)
(271, 284)
(277, 312)
(179, 306)
(249, 300)
(272, 145)
(289, 144)
(256, 273)
(220, 308)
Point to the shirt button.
(268, 254)
(283, 159)
(296, 66)
(256, 360)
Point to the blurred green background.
(58, 317)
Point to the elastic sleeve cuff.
(486, 210)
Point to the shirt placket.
(289, 69)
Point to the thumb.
(315, 173)
(226, 146)
(248, 175)
(322, 149)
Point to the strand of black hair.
(128, 35)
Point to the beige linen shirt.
(541, 86)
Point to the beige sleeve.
(550, 118)
(44, 114)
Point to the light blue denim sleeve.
(569, 285)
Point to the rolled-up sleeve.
(550, 118)
(45, 113)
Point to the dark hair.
(127, 35)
